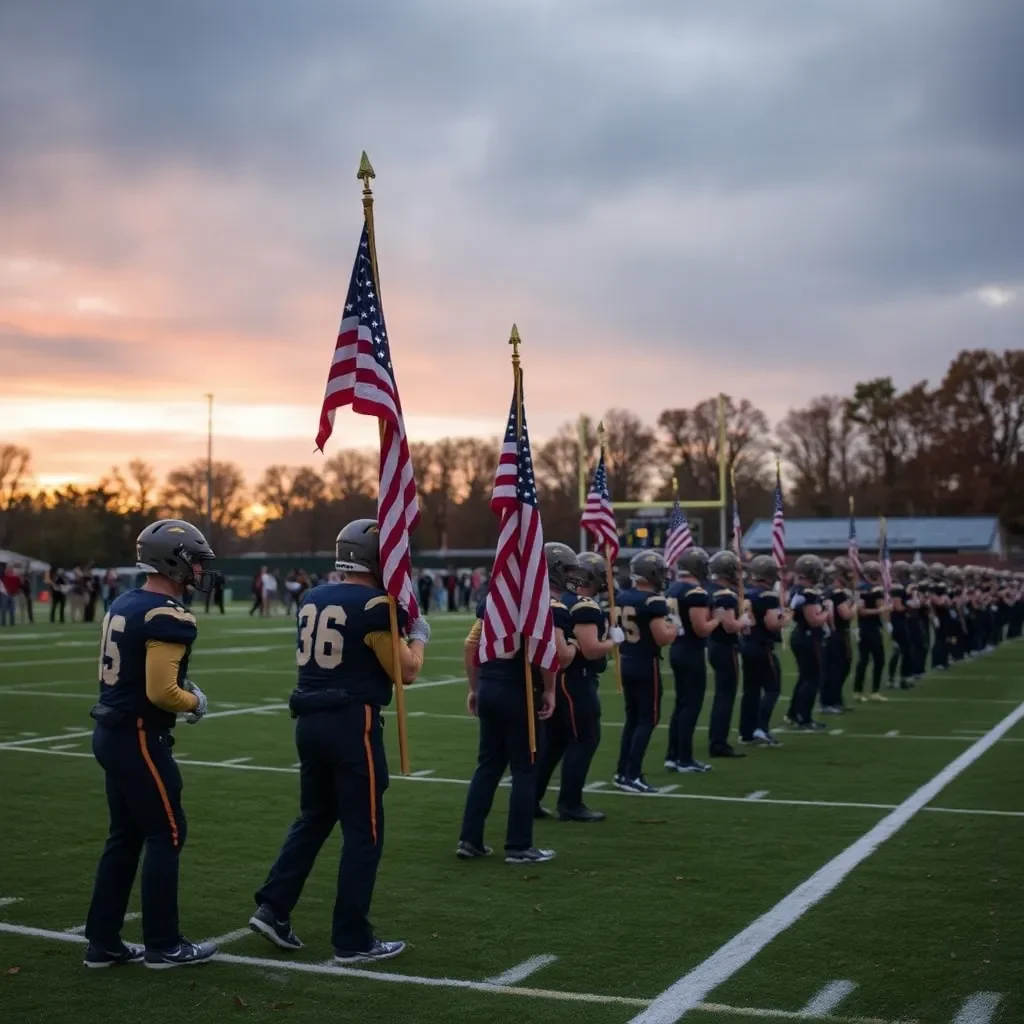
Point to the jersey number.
(627, 619)
(110, 655)
(319, 640)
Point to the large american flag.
(885, 560)
(518, 597)
(361, 375)
(679, 539)
(779, 524)
(598, 517)
(852, 548)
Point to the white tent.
(16, 560)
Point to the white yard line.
(79, 929)
(237, 760)
(232, 936)
(522, 971)
(758, 794)
(91, 660)
(63, 746)
(6, 901)
(978, 1009)
(523, 992)
(589, 788)
(693, 987)
(670, 788)
(825, 1001)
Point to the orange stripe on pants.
(161, 789)
(657, 681)
(572, 707)
(373, 774)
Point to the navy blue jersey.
(811, 597)
(682, 596)
(585, 611)
(723, 597)
(873, 596)
(839, 596)
(898, 591)
(338, 625)
(761, 601)
(637, 609)
(135, 620)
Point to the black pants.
(57, 603)
(504, 742)
(956, 635)
(918, 645)
(144, 802)
(571, 736)
(257, 603)
(761, 688)
(690, 672)
(869, 648)
(940, 644)
(343, 773)
(642, 690)
(28, 606)
(806, 647)
(725, 664)
(837, 656)
(902, 655)
(215, 597)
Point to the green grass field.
(927, 927)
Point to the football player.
(940, 605)
(145, 645)
(921, 587)
(762, 680)
(838, 651)
(870, 647)
(690, 604)
(901, 656)
(647, 626)
(346, 675)
(810, 618)
(723, 650)
(574, 731)
(497, 697)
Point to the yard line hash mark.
(523, 970)
(691, 989)
(978, 1009)
(825, 1001)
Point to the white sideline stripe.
(521, 971)
(825, 1001)
(892, 734)
(423, 773)
(671, 788)
(978, 1009)
(758, 794)
(79, 929)
(236, 760)
(233, 936)
(591, 787)
(6, 901)
(556, 995)
(691, 989)
(63, 746)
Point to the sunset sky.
(670, 198)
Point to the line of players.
(708, 611)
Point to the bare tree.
(185, 494)
(351, 473)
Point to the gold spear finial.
(515, 341)
(365, 172)
(600, 435)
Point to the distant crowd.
(74, 593)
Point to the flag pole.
(365, 175)
(856, 576)
(517, 384)
(882, 544)
(609, 576)
(741, 590)
(782, 568)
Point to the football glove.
(191, 717)
(616, 635)
(419, 629)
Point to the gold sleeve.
(473, 640)
(162, 689)
(380, 643)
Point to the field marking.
(64, 746)
(694, 986)
(237, 760)
(79, 929)
(423, 773)
(232, 936)
(86, 661)
(758, 794)
(828, 998)
(671, 788)
(555, 995)
(522, 971)
(892, 734)
(978, 1009)
(6, 901)
(589, 788)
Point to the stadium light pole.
(209, 468)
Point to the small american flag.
(852, 548)
(737, 526)
(886, 562)
(518, 597)
(598, 517)
(361, 375)
(779, 524)
(679, 539)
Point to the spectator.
(465, 590)
(425, 583)
(26, 593)
(451, 582)
(56, 583)
(110, 588)
(10, 585)
(92, 594)
(268, 589)
(257, 593)
(217, 590)
(76, 594)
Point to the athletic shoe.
(693, 767)
(725, 751)
(670, 765)
(581, 813)
(861, 698)
(378, 951)
(531, 856)
(789, 721)
(626, 785)
(467, 851)
(645, 786)
(184, 954)
(280, 933)
(878, 698)
(771, 741)
(96, 957)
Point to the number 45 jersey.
(141, 626)
(344, 643)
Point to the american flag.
(518, 597)
(779, 525)
(679, 539)
(361, 375)
(599, 514)
(852, 548)
(886, 561)
(737, 526)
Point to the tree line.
(949, 449)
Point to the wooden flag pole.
(609, 576)
(741, 590)
(365, 174)
(882, 537)
(782, 568)
(517, 384)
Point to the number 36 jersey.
(344, 642)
